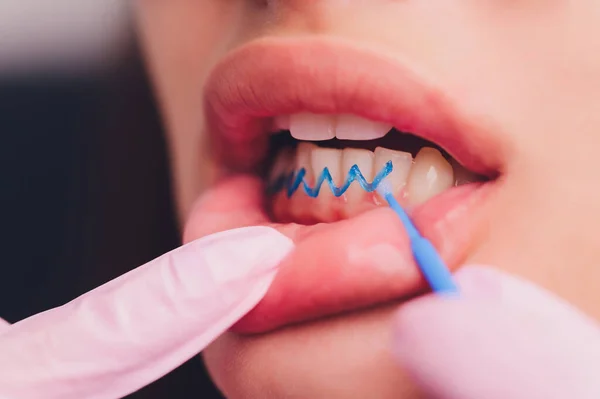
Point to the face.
(491, 117)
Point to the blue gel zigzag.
(292, 181)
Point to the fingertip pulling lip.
(271, 77)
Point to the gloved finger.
(3, 325)
(504, 338)
(131, 331)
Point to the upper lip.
(271, 77)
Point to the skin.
(529, 65)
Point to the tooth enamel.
(430, 175)
(402, 162)
(282, 122)
(364, 160)
(462, 175)
(330, 158)
(361, 158)
(312, 127)
(351, 127)
(304, 160)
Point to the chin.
(345, 356)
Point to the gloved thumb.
(503, 338)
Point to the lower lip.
(353, 263)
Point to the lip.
(353, 263)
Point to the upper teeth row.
(314, 127)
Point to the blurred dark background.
(86, 191)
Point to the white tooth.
(402, 162)
(304, 160)
(312, 127)
(282, 165)
(351, 127)
(430, 175)
(364, 160)
(330, 158)
(282, 122)
(361, 158)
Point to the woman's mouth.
(320, 123)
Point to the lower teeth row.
(311, 167)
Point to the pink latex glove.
(133, 330)
(503, 339)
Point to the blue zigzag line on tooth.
(291, 182)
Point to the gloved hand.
(133, 330)
(504, 338)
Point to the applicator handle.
(432, 266)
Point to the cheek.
(182, 39)
(539, 83)
(544, 229)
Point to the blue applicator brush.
(429, 261)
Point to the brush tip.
(384, 188)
